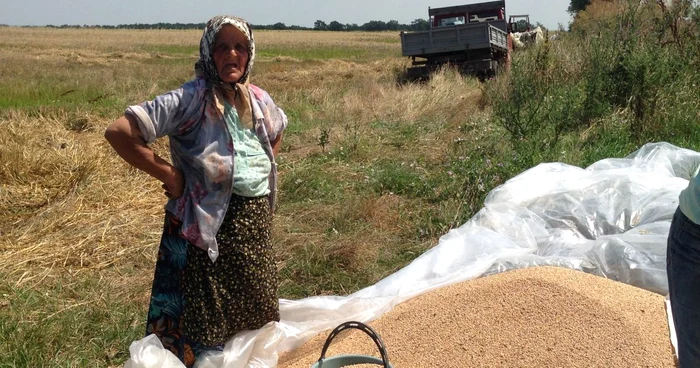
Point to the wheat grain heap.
(534, 317)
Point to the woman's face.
(230, 53)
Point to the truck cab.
(492, 11)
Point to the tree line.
(372, 26)
(319, 25)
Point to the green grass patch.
(311, 182)
(399, 178)
(92, 99)
(66, 323)
(320, 271)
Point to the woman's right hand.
(175, 186)
(125, 137)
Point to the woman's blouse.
(251, 167)
(201, 146)
(689, 199)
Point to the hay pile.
(535, 317)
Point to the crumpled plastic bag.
(248, 349)
(149, 353)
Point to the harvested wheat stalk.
(534, 317)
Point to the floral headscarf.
(205, 66)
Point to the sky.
(262, 12)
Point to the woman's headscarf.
(205, 66)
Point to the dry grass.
(125, 40)
(368, 95)
(95, 39)
(318, 40)
(68, 203)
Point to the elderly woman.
(215, 273)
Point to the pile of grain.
(535, 317)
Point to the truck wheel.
(488, 73)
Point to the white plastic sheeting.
(610, 219)
(522, 39)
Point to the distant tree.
(392, 25)
(522, 25)
(419, 25)
(374, 25)
(576, 6)
(538, 24)
(335, 26)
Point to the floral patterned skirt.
(199, 305)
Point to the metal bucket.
(352, 359)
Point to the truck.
(472, 37)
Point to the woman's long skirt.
(199, 305)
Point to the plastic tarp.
(521, 39)
(610, 219)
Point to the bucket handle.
(362, 327)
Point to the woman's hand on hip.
(126, 138)
(175, 185)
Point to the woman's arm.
(276, 144)
(127, 140)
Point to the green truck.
(472, 37)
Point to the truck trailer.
(472, 37)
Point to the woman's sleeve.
(166, 114)
(277, 119)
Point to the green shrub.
(644, 67)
